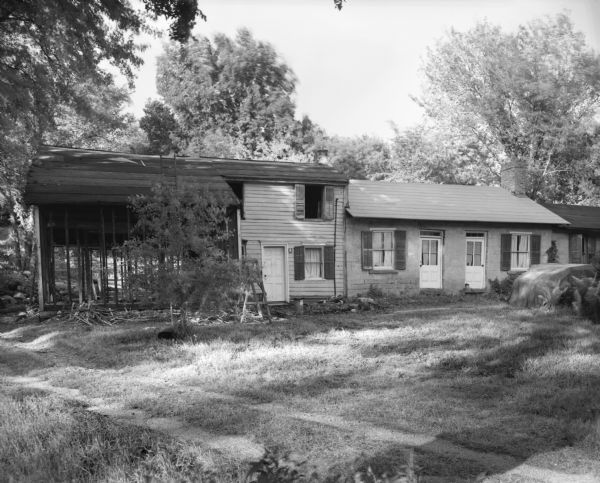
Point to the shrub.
(503, 288)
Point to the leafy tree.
(359, 157)
(50, 53)
(179, 240)
(160, 126)
(430, 154)
(530, 96)
(239, 88)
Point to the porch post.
(40, 262)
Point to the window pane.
(377, 239)
(312, 263)
(378, 258)
(469, 248)
(434, 246)
(433, 259)
(388, 240)
(477, 259)
(424, 252)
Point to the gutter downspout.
(334, 246)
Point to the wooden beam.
(114, 258)
(40, 262)
(80, 279)
(103, 263)
(68, 255)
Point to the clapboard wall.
(269, 219)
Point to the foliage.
(530, 96)
(238, 90)
(179, 240)
(359, 157)
(276, 468)
(552, 252)
(503, 288)
(51, 79)
(160, 126)
(426, 153)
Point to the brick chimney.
(513, 177)
(320, 156)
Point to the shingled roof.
(443, 202)
(66, 175)
(580, 217)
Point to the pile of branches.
(90, 314)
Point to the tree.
(429, 154)
(178, 244)
(50, 55)
(530, 96)
(160, 126)
(360, 156)
(238, 88)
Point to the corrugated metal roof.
(443, 202)
(580, 217)
(66, 175)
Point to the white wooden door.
(475, 263)
(430, 275)
(273, 268)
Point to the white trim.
(286, 271)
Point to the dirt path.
(242, 448)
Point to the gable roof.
(66, 175)
(444, 202)
(580, 217)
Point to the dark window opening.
(314, 201)
(238, 190)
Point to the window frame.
(391, 266)
(514, 234)
(321, 249)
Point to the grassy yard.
(336, 390)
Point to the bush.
(503, 288)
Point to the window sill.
(313, 279)
(383, 271)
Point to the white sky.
(357, 68)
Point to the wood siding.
(269, 220)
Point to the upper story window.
(314, 202)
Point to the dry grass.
(43, 438)
(518, 383)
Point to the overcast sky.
(357, 68)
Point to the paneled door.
(475, 262)
(430, 275)
(274, 273)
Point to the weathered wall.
(453, 253)
(269, 219)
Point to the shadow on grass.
(20, 362)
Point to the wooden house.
(288, 216)
(579, 241)
(407, 236)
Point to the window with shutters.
(383, 249)
(519, 251)
(314, 202)
(314, 263)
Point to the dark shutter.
(536, 246)
(575, 243)
(367, 250)
(400, 250)
(300, 211)
(298, 263)
(329, 262)
(328, 203)
(505, 242)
